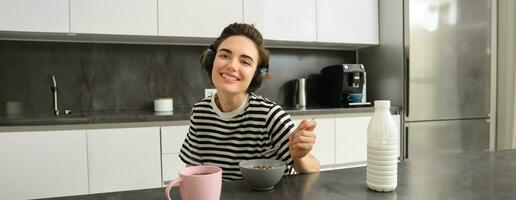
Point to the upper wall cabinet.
(135, 17)
(197, 18)
(286, 23)
(287, 20)
(34, 15)
(347, 21)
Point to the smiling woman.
(234, 124)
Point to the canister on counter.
(164, 104)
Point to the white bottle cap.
(382, 104)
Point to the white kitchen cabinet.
(34, 16)
(172, 138)
(43, 164)
(135, 17)
(124, 159)
(197, 18)
(324, 147)
(171, 165)
(321, 23)
(351, 139)
(287, 20)
(347, 21)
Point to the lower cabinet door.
(171, 166)
(324, 147)
(43, 164)
(324, 151)
(172, 138)
(351, 139)
(124, 159)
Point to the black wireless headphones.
(207, 64)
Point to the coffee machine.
(343, 86)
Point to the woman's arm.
(300, 144)
(307, 164)
(295, 143)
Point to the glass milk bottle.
(382, 148)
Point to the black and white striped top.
(226, 139)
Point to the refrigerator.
(447, 70)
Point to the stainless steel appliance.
(343, 86)
(447, 84)
(300, 93)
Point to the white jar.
(13, 108)
(382, 149)
(164, 105)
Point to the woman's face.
(234, 66)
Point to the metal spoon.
(269, 152)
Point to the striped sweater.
(226, 139)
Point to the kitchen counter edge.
(153, 118)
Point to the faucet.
(54, 92)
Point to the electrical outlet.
(209, 91)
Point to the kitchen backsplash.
(115, 77)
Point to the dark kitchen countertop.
(149, 116)
(468, 176)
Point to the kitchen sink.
(73, 118)
(74, 115)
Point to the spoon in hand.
(275, 148)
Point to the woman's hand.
(302, 140)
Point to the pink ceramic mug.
(198, 183)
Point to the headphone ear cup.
(261, 74)
(208, 59)
(258, 78)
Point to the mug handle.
(170, 185)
